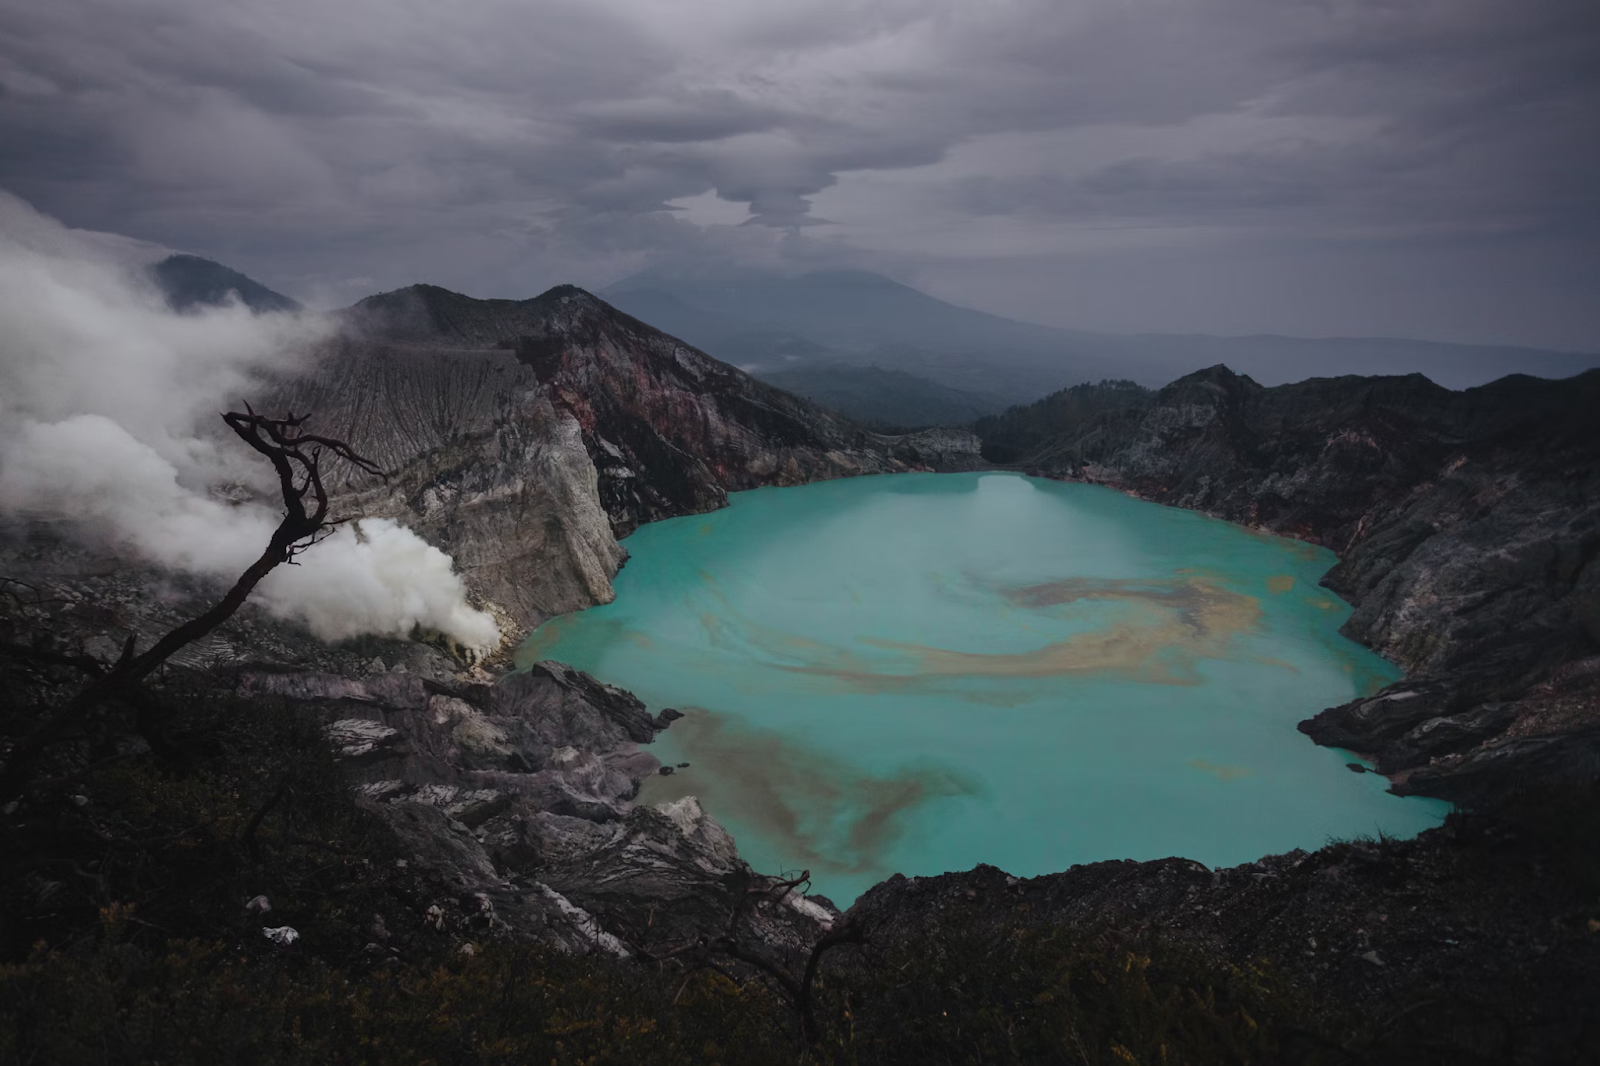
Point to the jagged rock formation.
(527, 436)
(520, 794)
(1468, 525)
(485, 466)
(514, 796)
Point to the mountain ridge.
(1467, 525)
(882, 398)
(947, 339)
(189, 281)
(527, 437)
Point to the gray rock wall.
(526, 437)
(483, 465)
(521, 795)
(1468, 527)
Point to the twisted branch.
(296, 456)
(701, 953)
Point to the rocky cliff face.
(520, 795)
(527, 436)
(1468, 528)
(484, 465)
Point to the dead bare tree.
(296, 456)
(704, 953)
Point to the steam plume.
(102, 391)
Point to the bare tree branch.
(701, 953)
(296, 457)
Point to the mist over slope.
(870, 319)
(190, 282)
(527, 437)
(108, 400)
(760, 350)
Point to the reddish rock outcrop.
(527, 436)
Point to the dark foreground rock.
(1478, 941)
(522, 793)
(513, 796)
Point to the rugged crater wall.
(483, 465)
(520, 795)
(527, 437)
(1468, 529)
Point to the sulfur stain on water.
(819, 814)
(918, 673)
(1221, 773)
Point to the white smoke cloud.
(102, 392)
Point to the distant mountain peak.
(669, 278)
(860, 316)
(563, 292)
(429, 316)
(190, 281)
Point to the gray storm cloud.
(104, 398)
(1424, 167)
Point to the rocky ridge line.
(1468, 530)
(528, 437)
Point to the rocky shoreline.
(1468, 531)
(512, 793)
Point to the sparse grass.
(1030, 997)
(213, 1003)
(1046, 995)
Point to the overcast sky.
(1424, 168)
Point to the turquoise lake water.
(917, 673)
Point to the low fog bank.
(106, 399)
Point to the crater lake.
(918, 673)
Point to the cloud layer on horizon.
(1426, 167)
